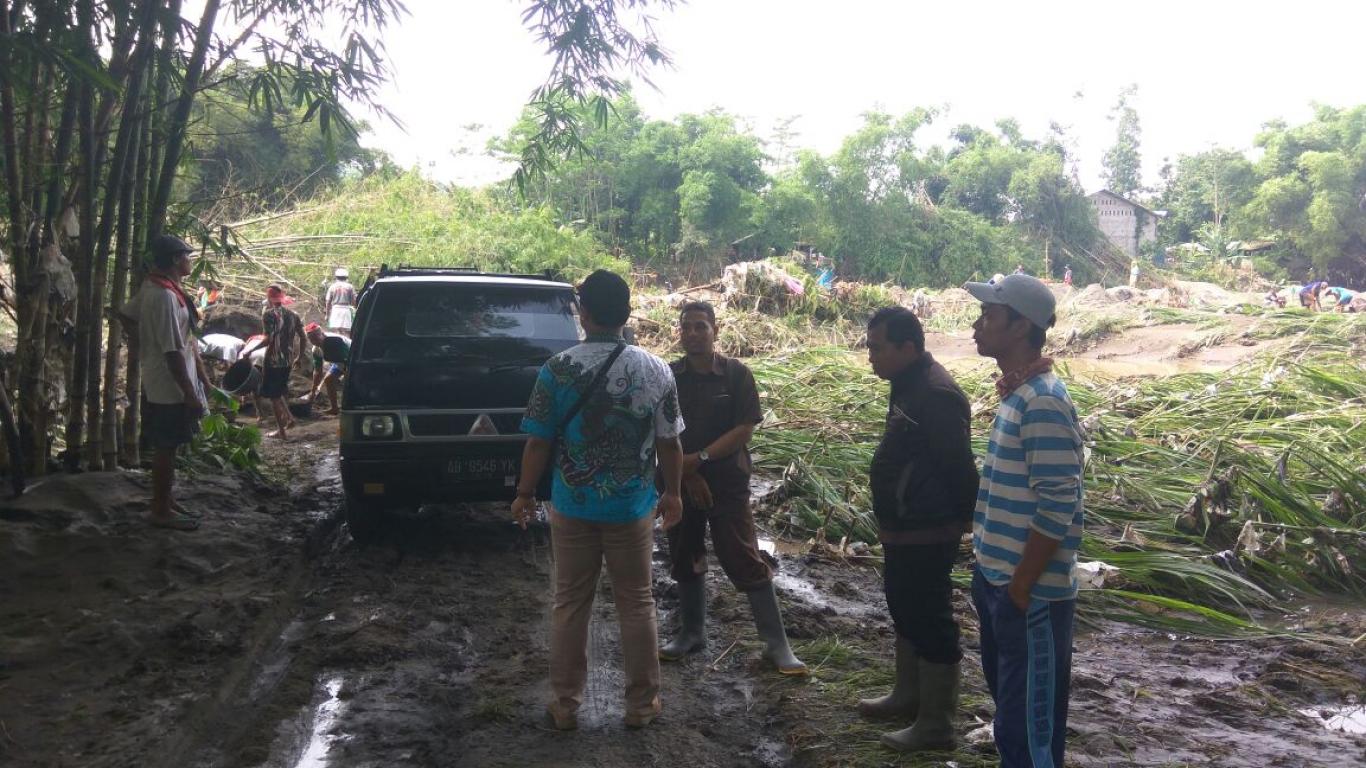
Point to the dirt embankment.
(267, 638)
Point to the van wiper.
(521, 362)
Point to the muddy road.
(267, 638)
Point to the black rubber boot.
(903, 703)
(692, 634)
(933, 729)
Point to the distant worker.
(1309, 294)
(1019, 269)
(208, 295)
(1027, 527)
(924, 483)
(284, 349)
(341, 303)
(1133, 273)
(1067, 275)
(222, 347)
(326, 375)
(720, 405)
(1341, 298)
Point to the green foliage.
(222, 444)
(1304, 192)
(662, 191)
(1204, 188)
(682, 196)
(1122, 162)
(261, 155)
(591, 42)
(895, 212)
(406, 219)
(1209, 492)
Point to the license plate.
(481, 469)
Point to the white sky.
(1209, 71)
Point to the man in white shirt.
(341, 302)
(173, 377)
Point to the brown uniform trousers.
(713, 403)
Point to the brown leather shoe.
(560, 721)
(642, 719)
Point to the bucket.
(242, 378)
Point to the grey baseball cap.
(1022, 293)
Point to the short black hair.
(704, 307)
(606, 298)
(902, 326)
(1037, 336)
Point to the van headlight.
(379, 426)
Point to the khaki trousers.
(580, 548)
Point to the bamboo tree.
(118, 168)
(175, 138)
(108, 446)
(149, 159)
(141, 183)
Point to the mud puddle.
(230, 648)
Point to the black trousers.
(916, 580)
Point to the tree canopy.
(1306, 192)
(685, 195)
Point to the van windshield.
(479, 322)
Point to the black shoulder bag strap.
(587, 393)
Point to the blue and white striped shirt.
(1031, 480)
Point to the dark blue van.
(441, 367)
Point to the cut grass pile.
(1213, 495)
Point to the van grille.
(459, 424)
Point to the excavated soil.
(268, 638)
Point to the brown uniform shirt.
(713, 403)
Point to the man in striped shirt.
(1027, 526)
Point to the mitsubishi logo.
(483, 426)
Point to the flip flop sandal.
(177, 523)
(181, 510)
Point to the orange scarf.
(1011, 381)
(179, 292)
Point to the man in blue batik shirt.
(603, 492)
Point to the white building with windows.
(1125, 223)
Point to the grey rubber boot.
(933, 729)
(692, 634)
(769, 621)
(903, 703)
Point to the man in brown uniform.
(720, 406)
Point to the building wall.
(1119, 221)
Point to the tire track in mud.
(218, 719)
(433, 651)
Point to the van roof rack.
(405, 270)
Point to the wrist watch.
(702, 456)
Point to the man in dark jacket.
(924, 483)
